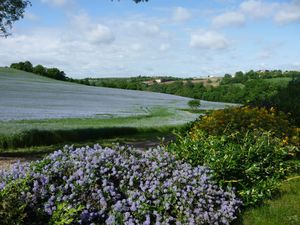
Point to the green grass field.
(26, 133)
(282, 210)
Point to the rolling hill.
(29, 96)
(39, 111)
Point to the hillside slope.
(28, 96)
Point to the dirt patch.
(7, 162)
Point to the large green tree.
(11, 11)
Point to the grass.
(17, 126)
(283, 210)
(196, 111)
(142, 135)
(28, 133)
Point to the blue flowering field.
(27, 96)
(36, 110)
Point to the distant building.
(150, 82)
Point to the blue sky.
(185, 38)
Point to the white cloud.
(258, 9)
(136, 47)
(288, 13)
(208, 40)
(229, 19)
(87, 30)
(146, 28)
(164, 47)
(58, 3)
(89, 47)
(100, 34)
(281, 12)
(150, 29)
(181, 14)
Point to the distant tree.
(226, 79)
(239, 77)
(56, 74)
(11, 11)
(194, 104)
(252, 75)
(288, 99)
(39, 69)
(16, 66)
(25, 66)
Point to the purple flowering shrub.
(115, 186)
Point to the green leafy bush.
(254, 162)
(12, 208)
(194, 104)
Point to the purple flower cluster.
(124, 186)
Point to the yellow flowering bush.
(243, 119)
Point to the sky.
(183, 38)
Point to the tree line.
(249, 87)
(53, 73)
(241, 77)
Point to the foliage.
(281, 210)
(243, 119)
(288, 100)
(118, 186)
(65, 214)
(53, 73)
(241, 77)
(12, 208)
(194, 104)
(11, 11)
(254, 162)
(25, 66)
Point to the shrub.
(194, 104)
(254, 163)
(244, 119)
(116, 186)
